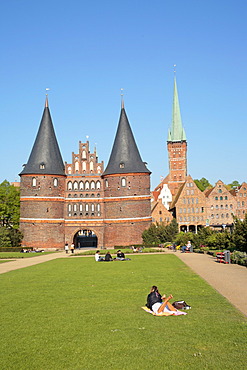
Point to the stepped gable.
(125, 156)
(45, 157)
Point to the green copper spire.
(176, 132)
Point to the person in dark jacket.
(108, 257)
(120, 255)
(158, 303)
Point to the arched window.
(76, 166)
(92, 207)
(84, 166)
(98, 207)
(91, 166)
(98, 169)
(86, 207)
(80, 207)
(92, 185)
(81, 185)
(69, 185)
(34, 181)
(123, 181)
(55, 182)
(84, 154)
(106, 183)
(75, 185)
(98, 184)
(87, 185)
(75, 207)
(69, 170)
(69, 207)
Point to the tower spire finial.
(46, 99)
(122, 98)
(174, 69)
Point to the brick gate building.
(80, 202)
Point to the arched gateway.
(85, 239)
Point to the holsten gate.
(81, 202)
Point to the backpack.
(181, 305)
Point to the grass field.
(15, 255)
(75, 313)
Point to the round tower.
(42, 190)
(127, 209)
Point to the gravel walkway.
(228, 280)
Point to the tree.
(10, 236)
(160, 233)
(233, 185)
(5, 241)
(183, 238)
(239, 235)
(202, 184)
(9, 205)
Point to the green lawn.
(16, 255)
(75, 313)
(3, 261)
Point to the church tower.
(42, 190)
(177, 147)
(127, 208)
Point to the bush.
(198, 251)
(128, 246)
(239, 257)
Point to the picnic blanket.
(171, 313)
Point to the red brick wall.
(127, 208)
(177, 156)
(42, 211)
(43, 235)
(125, 233)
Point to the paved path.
(228, 280)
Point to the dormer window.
(121, 165)
(42, 166)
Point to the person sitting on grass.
(97, 257)
(120, 255)
(158, 303)
(108, 257)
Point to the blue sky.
(86, 51)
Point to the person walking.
(72, 248)
(66, 248)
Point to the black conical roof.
(125, 156)
(45, 157)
